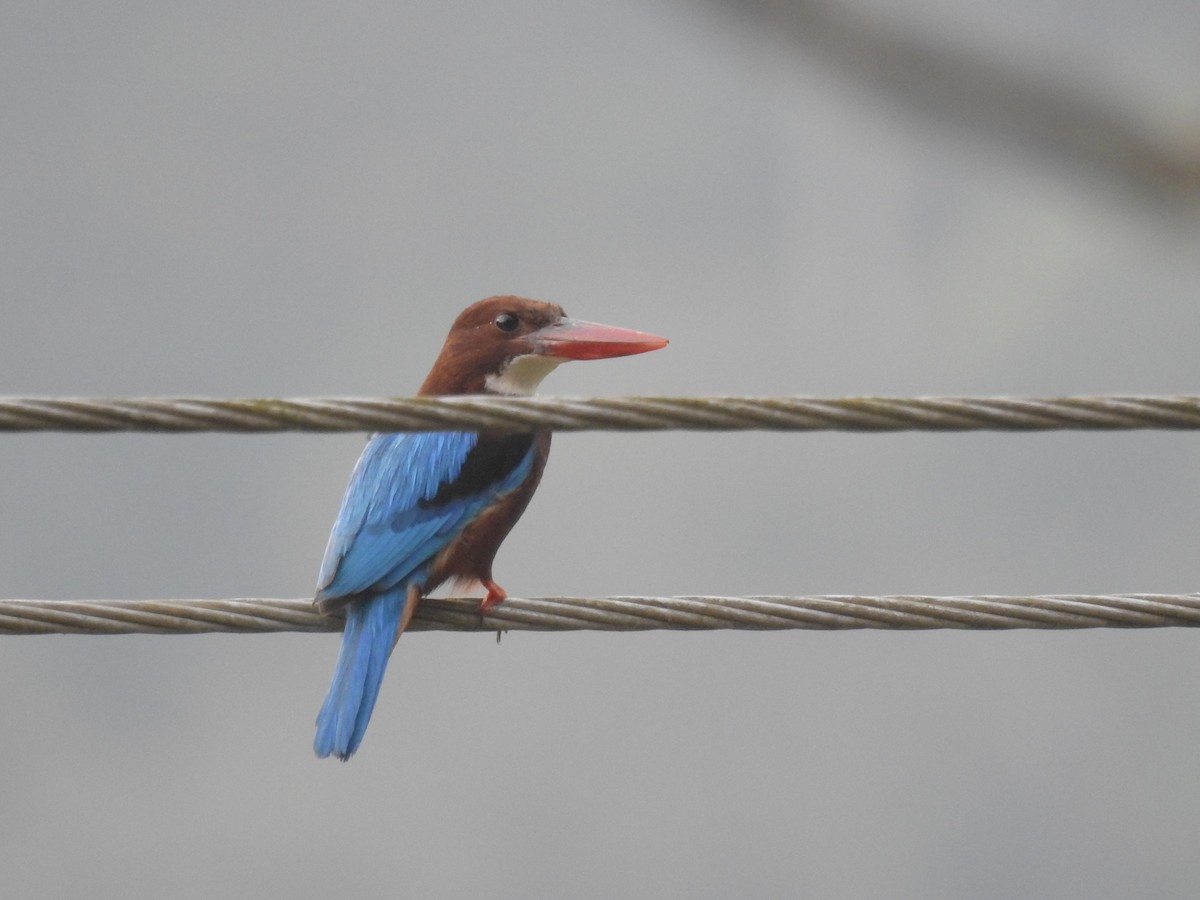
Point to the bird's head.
(507, 345)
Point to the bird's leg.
(495, 594)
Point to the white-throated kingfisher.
(433, 507)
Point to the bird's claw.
(495, 594)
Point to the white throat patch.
(522, 375)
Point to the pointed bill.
(576, 339)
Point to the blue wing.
(381, 533)
(384, 532)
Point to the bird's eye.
(507, 322)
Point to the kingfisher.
(428, 508)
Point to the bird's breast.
(470, 555)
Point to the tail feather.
(367, 642)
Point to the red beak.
(574, 339)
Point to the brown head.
(507, 345)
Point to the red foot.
(495, 594)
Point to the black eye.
(507, 322)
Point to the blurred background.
(820, 198)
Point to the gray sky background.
(295, 199)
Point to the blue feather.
(381, 531)
(367, 642)
(384, 540)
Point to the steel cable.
(871, 414)
(765, 613)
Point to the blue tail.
(367, 643)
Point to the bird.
(423, 509)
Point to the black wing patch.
(492, 458)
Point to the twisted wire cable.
(871, 414)
(760, 613)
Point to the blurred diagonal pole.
(988, 95)
(755, 613)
